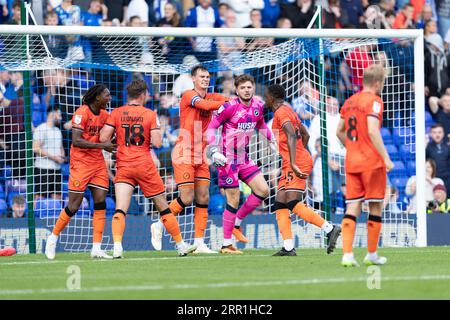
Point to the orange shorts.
(83, 176)
(289, 181)
(147, 178)
(368, 185)
(190, 175)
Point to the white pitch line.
(221, 285)
(304, 254)
(124, 260)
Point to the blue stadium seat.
(406, 152)
(3, 207)
(411, 166)
(47, 207)
(399, 169)
(110, 206)
(400, 183)
(2, 192)
(403, 135)
(429, 121)
(392, 151)
(65, 168)
(387, 136)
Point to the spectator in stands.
(12, 128)
(230, 48)
(270, 13)
(173, 48)
(447, 41)
(243, 9)
(93, 17)
(49, 151)
(425, 16)
(158, 10)
(437, 66)
(387, 7)
(374, 19)
(443, 12)
(440, 203)
(391, 200)
(282, 23)
(300, 13)
(317, 172)
(70, 15)
(431, 182)
(439, 151)
(357, 60)
(15, 18)
(333, 16)
(223, 8)
(405, 18)
(18, 207)
(4, 12)
(429, 28)
(354, 11)
(306, 104)
(227, 87)
(57, 45)
(138, 8)
(441, 115)
(117, 10)
(184, 80)
(257, 43)
(204, 16)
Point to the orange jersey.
(361, 153)
(195, 116)
(133, 125)
(283, 115)
(90, 125)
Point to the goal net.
(43, 70)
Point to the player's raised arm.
(373, 126)
(204, 104)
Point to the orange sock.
(284, 223)
(62, 222)
(176, 206)
(200, 219)
(373, 233)
(308, 214)
(348, 233)
(171, 225)
(99, 225)
(118, 225)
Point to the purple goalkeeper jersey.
(238, 123)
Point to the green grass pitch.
(411, 273)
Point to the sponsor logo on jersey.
(256, 112)
(77, 119)
(229, 180)
(246, 125)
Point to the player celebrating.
(190, 170)
(137, 129)
(366, 163)
(296, 166)
(87, 168)
(239, 118)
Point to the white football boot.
(184, 249)
(374, 259)
(203, 248)
(50, 246)
(348, 260)
(118, 250)
(157, 230)
(99, 254)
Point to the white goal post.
(340, 35)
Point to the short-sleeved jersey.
(133, 125)
(238, 126)
(194, 121)
(282, 116)
(361, 153)
(90, 125)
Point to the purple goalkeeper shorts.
(230, 174)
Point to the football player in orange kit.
(366, 163)
(296, 166)
(87, 168)
(191, 169)
(137, 130)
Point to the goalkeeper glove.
(217, 158)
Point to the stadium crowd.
(51, 128)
